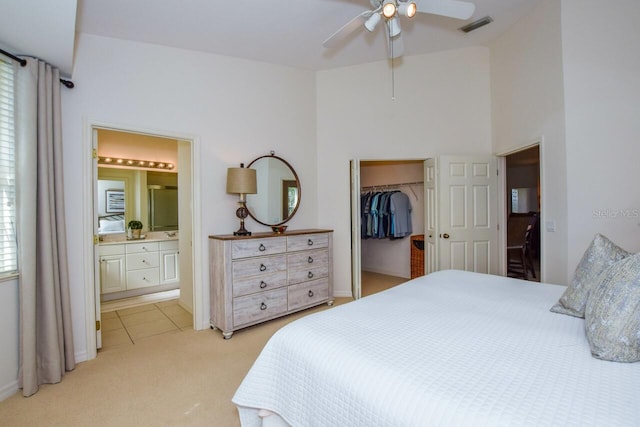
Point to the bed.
(452, 348)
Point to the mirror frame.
(295, 175)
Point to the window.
(8, 247)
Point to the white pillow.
(111, 226)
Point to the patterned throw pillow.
(612, 316)
(601, 254)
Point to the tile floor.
(128, 326)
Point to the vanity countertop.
(157, 236)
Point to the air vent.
(476, 24)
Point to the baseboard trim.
(8, 390)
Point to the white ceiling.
(282, 32)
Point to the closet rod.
(387, 186)
(391, 186)
(68, 83)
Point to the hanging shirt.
(400, 208)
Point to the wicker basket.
(417, 256)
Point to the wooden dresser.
(264, 276)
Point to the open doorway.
(387, 253)
(134, 173)
(523, 195)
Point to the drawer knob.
(263, 267)
(310, 242)
(262, 248)
(310, 274)
(263, 306)
(310, 260)
(262, 284)
(310, 294)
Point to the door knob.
(445, 236)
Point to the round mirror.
(278, 195)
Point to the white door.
(356, 285)
(96, 261)
(431, 216)
(467, 215)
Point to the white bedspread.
(449, 349)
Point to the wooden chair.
(519, 236)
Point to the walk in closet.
(392, 212)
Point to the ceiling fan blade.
(451, 8)
(336, 38)
(395, 45)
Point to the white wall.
(528, 104)
(602, 96)
(442, 106)
(235, 109)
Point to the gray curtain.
(46, 338)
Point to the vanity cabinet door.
(112, 273)
(169, 262)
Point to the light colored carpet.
(181, 379)
(375, 282)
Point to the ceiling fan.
(390, 11)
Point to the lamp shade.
(241, 181)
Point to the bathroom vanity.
(136, 267)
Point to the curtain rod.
(68, 83)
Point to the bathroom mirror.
(127, 194)
(278, 195)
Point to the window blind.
(8, 247)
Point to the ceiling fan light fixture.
(370, 24)
(394, 27)
(408, 9)
(389, 8)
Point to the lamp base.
(242, 231)
(242, 213)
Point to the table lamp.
(241, 181)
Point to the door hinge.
(94, 153)
(96, 239)
(98, 325)
(498, 227)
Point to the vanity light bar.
(135, 163)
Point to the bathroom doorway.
(180, 257)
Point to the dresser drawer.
(258, 247)
(307, 259)
(258, 266)
(143, 278)
(307, 294)
(142, 247)
(257, 307)
(309, 271)
(261, 283)
(142, 260)
(307, 241)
